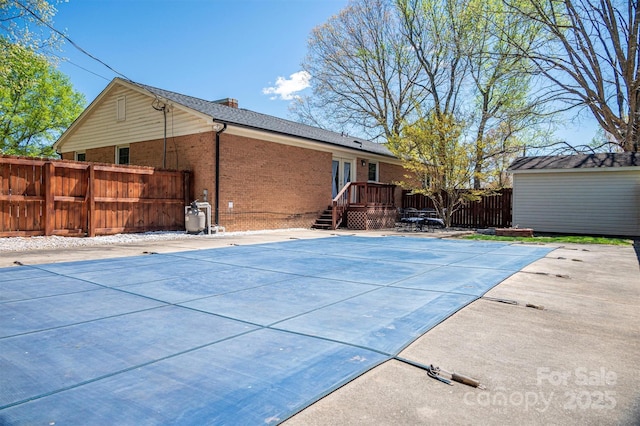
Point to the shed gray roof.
(581, 161)
(258, 121)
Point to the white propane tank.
(195, 219)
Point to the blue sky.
(249, 50)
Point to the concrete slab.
(573, 363)
(104, 251)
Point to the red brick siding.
(391, 173)
(102, 155)
(195, 153)
(271, 185)
(148, 153)
(362, 174)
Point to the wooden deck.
(365, 205)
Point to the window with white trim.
(373, 172)
(122, 155)
(81, 156)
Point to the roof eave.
(260, 129)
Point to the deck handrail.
(339, 206)
(361, 194)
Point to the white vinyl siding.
(605, 202)
(102, 128)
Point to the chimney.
(230, 102)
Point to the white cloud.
(286, 89)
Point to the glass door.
(341, 173)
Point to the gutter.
(217, 190)
(356, 147)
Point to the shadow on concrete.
(636, 246)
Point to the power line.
(35, 15)
(81, 67)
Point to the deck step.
(324, 221)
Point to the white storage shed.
(594, 194)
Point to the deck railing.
(361, 194)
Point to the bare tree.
(590, 53)
(382, 65)
(506, 112)
(363, 73)
(474, 72)
(436, 32)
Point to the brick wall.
(97, 155)
(102, 155)
(391, 173)
(271, 185)
(362, 174)
(195, 153)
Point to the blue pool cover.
(237, 335)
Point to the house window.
(81, 156)
(122, 155)
(121, 107)
(373, 172)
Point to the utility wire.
(81, 67)
(35, 15)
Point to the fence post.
(91, 202)
(507, 208)
(49, 198)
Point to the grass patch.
(573, 239)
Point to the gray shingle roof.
(255, 120)
(581, 161)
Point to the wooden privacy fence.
(56, 197)
(492, 211)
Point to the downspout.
(164, 145)
(217, 190)
(163, 108)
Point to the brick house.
(257, 171)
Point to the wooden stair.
(325, 220)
